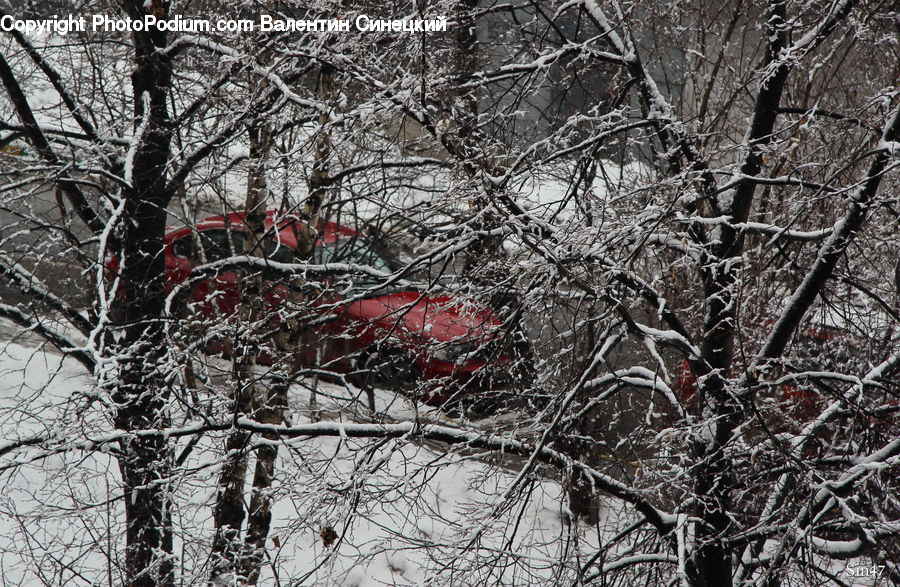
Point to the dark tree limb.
(39, 141)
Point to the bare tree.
(683, 214)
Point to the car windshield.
(360, 252)
(216, 245)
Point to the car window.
(216, 246)
(277, 251)
(353, 250)
(272, 249)
(184, 247)
(213, 244)
(360, 252)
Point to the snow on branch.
(842, 235)
(777, 232)
(662, 521)
(266, 73)
(30, 284)
(59, 340)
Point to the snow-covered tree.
(684, 214)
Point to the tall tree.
(690, 211)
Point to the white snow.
(400, 510)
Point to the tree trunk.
(271, 406)
(141, 395)
(319, 179)
(229, 514)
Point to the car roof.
(328, 231)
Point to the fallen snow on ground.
(402, 511)
(53, 508)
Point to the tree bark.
(229, 514)
(270, 410)
(141, 395)
(267, 399)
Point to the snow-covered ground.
(404, 513)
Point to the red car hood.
(439, 318)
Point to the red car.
(395, 335)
